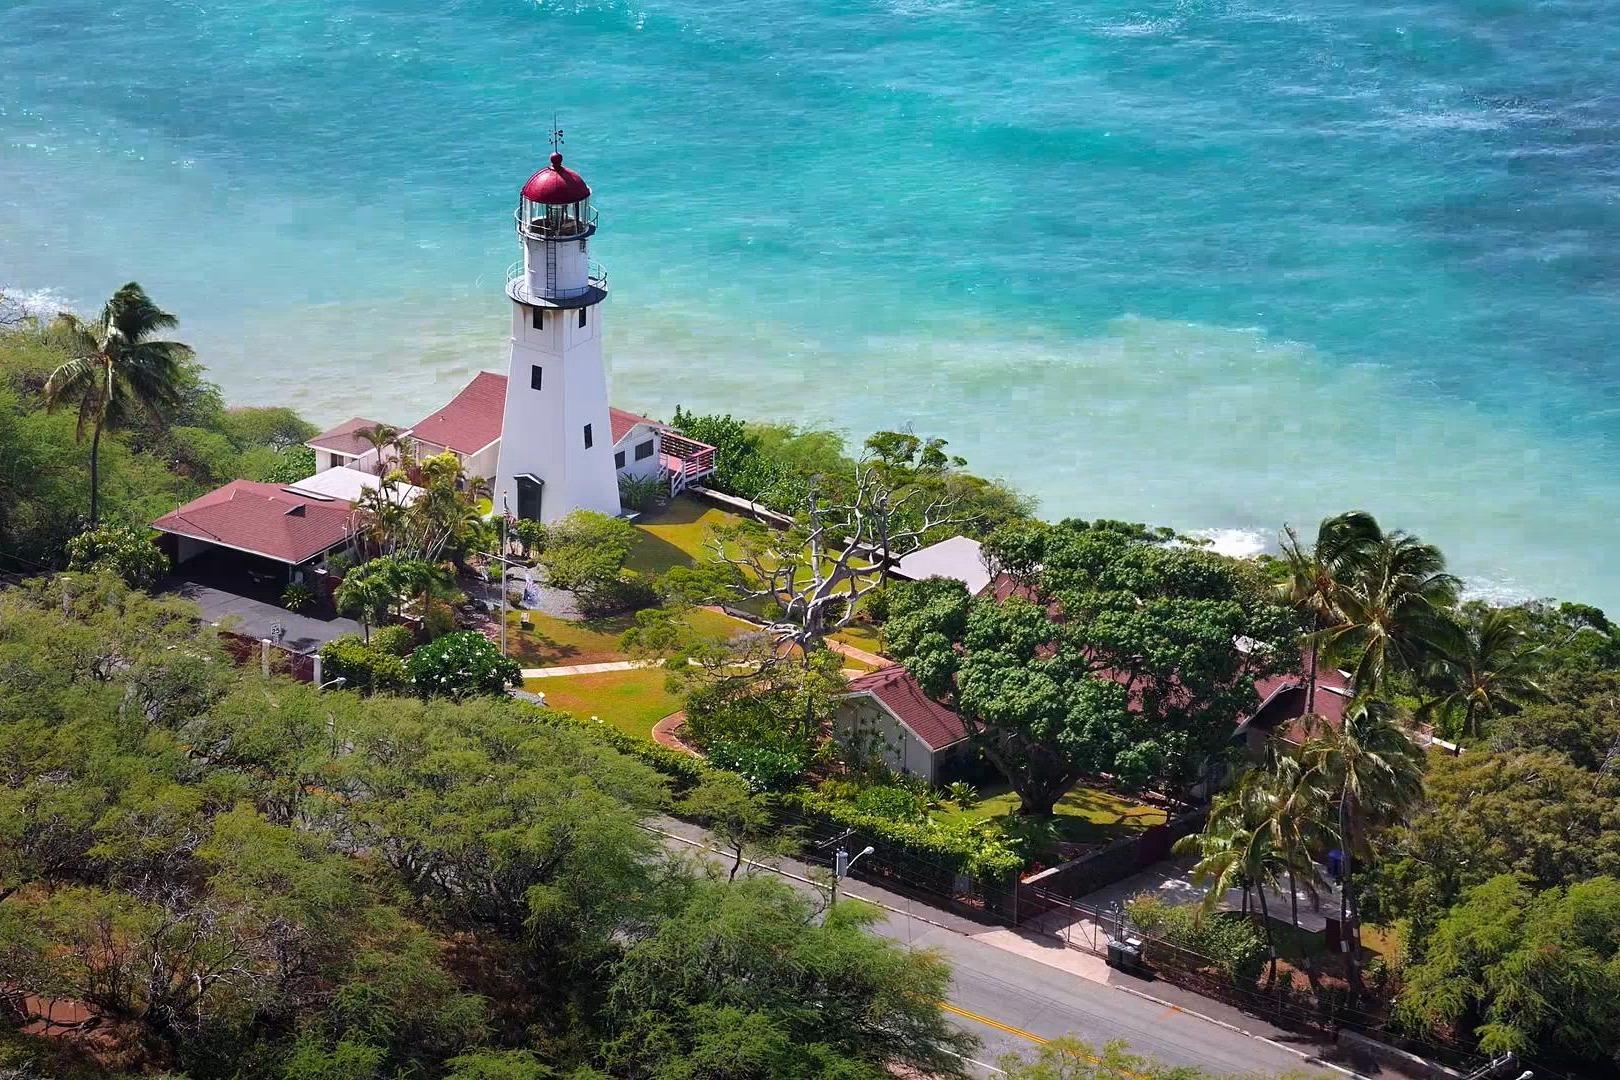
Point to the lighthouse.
(556, 449)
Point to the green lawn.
(632, 701)
(1085, 815)
(676, 535)
(862, 636)
(553, 642)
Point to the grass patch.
(632, 701)
(676, 534)
(553, 642)
(1084, 816)
(862, 636)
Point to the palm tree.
(379, 437)
(116, 371)
(1317, 575)
(1486, 665)
(1296, 820)
(1238, 849)
(365, 596)
(1393, 609)
(1369, 770)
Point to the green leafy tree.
(117, 370)
(1532, 973)
(1109, 654)
(462, 664)
(125, 550)
(585, 554)
(1532, 813)
(740, 818)
(1579, 717)
(1069, 1058)
(747, 980)
(274, 426)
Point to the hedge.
(966, 849)
(969, 848)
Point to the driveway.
(258, 619)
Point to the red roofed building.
(287, 530)
(887, 715)
(343, 445)
(469, 426)
(1282, 706)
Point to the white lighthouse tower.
(556, 452)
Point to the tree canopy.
(1107, 650)
(237, 876)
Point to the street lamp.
(842, 865)
(339, 681)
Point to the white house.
(886, 714)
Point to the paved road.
(1012, 1001)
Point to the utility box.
(1125, 954)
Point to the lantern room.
(556, 204)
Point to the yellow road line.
(1038, 1040)
(997, 1024)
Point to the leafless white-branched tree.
(837, 552)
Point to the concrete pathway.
(862, 655)
(1171, 881)
(587, 669)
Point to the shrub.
(394, 640)
(438, 620)
(125, 550)
(362, 667)
(1231, 943)
(975, 848)
(765, 768)
(963, 794)
(462, 664)
(894, 803)
(637, 492)
(283, 467)
(297, 597)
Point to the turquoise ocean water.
(1213, 265)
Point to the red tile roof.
(900, 693)
(472, 419)
(623, 421)
(264, 519)
(345, 438)
(1282, 702)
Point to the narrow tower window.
(534, 376)
(539, 314)
(582, 312)
(587, 436)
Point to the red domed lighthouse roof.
(555, 185)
